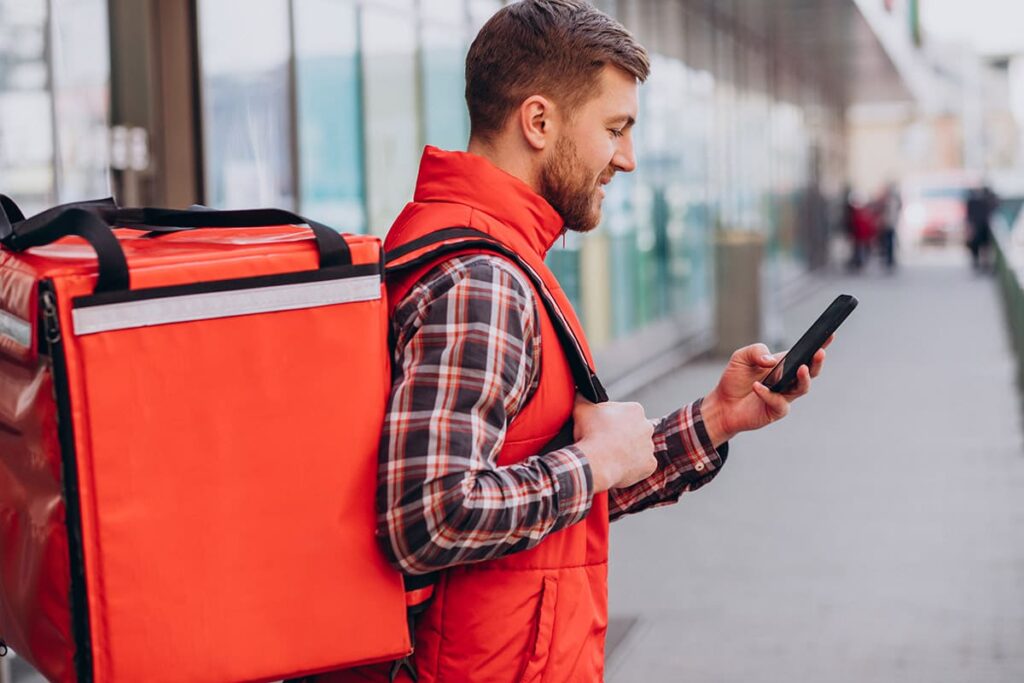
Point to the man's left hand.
(740, 403)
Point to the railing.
(1009, 266)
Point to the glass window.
(329, 111)
(482, 10)
(698, 214)
(443, 64)
(246, 103)
(618, 221)
(451, 12)
(390, 106)
(26, 113)
(81, 92)
(651, 258)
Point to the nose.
(624, 159)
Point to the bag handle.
(331, 246)
(452, 240)
(9, 213)
(113, 267)
(94, 221)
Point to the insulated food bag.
(190, 408)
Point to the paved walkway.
(875, 535)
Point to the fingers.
(777, 404)
(817, 362)
(802, 386)
(831, 338)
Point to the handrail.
(1009, 270)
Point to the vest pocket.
(538, 660)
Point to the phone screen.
(783, 375)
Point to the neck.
(509, 158)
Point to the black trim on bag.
(213, 286)
(80, 625)
(416, 581)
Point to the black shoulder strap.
(451, 241)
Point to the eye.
(616, 132)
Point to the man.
(481, 383)
(981, 203)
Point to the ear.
(537, 121)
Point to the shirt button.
(699, 466)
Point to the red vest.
(541, 614)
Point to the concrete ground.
(877, 534)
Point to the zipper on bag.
(53, 347)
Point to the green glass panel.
(330, 113)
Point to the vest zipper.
(54, 348)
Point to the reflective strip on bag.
(16, 329)
(223, 304)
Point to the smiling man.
(513, 530)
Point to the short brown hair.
(554, 48)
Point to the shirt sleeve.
(466, 360)
(686, 461)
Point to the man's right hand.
(617, 440)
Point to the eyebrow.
(629, 120)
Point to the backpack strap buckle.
(404, 663)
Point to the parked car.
(935, 209)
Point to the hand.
(741, 403)
(617, 440)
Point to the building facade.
(323, 107)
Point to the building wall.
(892, 144)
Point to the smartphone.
(783, 376)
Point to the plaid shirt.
(466, 361)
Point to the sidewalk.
(875, 535)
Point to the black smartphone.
(783, 375)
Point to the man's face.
(595, 144)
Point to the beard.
(570, 189)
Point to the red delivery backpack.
(190, 412)
(189, 427)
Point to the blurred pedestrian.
(861, 228)
(888, 212)
(981, 203)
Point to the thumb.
(755, 355)
(769, 360)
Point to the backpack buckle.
(403, 663)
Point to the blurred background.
(760, 119)
(788, 150)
